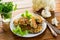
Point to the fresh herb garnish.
(7, 16)
(6, 8)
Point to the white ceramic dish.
(44, 25)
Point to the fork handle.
(52, 31)
(56, 30)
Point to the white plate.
(44, 25)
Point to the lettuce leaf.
(19, 31)
(26, 14)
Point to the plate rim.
(11, 21)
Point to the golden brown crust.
(15, 22)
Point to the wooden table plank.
(57, 5)
(57, 1)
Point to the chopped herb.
(6, 8)
(6, 16)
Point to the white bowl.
(44, 25)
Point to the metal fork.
(51, 29)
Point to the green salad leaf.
(26, 14)
(19, 31)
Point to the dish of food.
(27, 24)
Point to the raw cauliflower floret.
(38, 4)
(46, 13)
(54, 21)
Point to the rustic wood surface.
(6, 34)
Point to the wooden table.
(6, 34)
